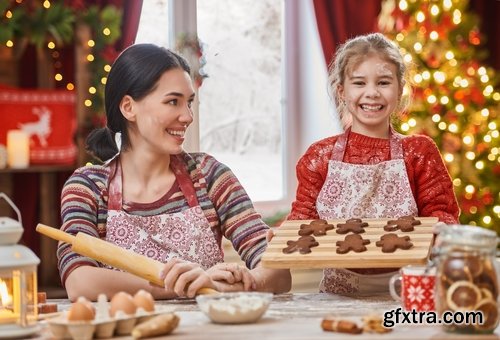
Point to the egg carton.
(101, 328)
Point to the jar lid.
(466, 235)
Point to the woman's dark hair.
(135, 73)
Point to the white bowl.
(233, 308)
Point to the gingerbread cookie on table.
(405, 224)
(352, 242)
(354, 225)
(391, 242)
(316, 228)
(303, 245)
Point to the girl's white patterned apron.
(186, 235)
(379, 190)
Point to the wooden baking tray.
(325, 255)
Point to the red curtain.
(489, 15)
(24, 183)
(339, 20)
(130, 24)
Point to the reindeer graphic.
(40, 128)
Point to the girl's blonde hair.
(351, 54)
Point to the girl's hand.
(185, 278)
(232, 273)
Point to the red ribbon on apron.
(186, 234)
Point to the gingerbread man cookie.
(303, 245)
(352, 242)
(355, 225)
(405, 224)
(316, 227)
(391, 242)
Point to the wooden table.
(295, 316)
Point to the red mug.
(417, 288)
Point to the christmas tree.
(455, 99)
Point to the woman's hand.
(232, 273)
(185, 278)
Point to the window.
(153, 26)
(240, 101)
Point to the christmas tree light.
(455, 97)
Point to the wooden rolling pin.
(112, 255)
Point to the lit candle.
(6, 315)
(18, 150)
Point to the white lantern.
(18, 283)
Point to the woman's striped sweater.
(225, 203)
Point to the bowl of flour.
(234, 308)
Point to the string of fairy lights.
(92, 90)
(459, 94)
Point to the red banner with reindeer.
(47, 116)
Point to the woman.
(155, 199)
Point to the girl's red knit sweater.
(429, 179)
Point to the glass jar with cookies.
(466, 280)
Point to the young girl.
(155, 199)
(370, 171)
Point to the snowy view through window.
(153, 25)
(240, 101)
